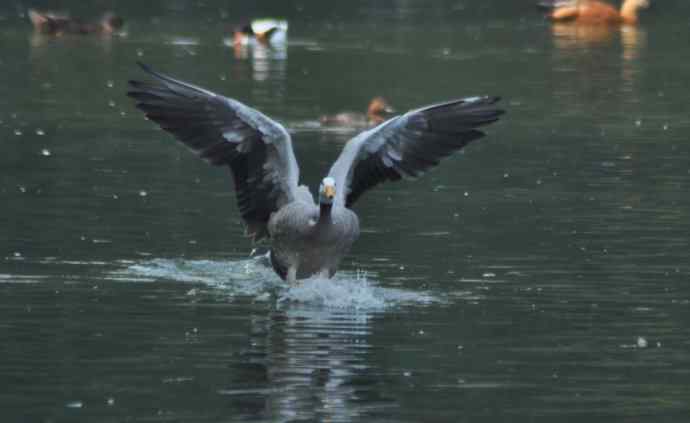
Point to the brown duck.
(56, 24)
(377, 112)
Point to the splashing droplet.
(45, 152)
(40, 131)
(110, 83)
(143, 193)
(18, 132)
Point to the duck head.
(380, 105)
(378, 109)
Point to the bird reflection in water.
(585, 50)
(589, 24)
(569, 38)
(634, 42)
(309, 363)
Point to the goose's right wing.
(223, 131)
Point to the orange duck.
(55, 24)
(377, 112)
(594, 11)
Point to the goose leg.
(292, 275)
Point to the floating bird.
(594, 11)
(263, 31)
(377, 112)
(307, 238)
(56, 24)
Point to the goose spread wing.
(224, 131)
(408, 145)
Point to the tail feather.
(265, 37)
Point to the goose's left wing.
(408, 145)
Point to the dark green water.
(541, 276)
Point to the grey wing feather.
(408, 145)
(223, 131)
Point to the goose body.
(309, 240)
(307, 237)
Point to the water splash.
(345, 291)
(251, 278)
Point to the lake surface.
(540, 276)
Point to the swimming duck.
(306, 237)
(377, 112)
(56, 24)
(263, 31)
(594, 11)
